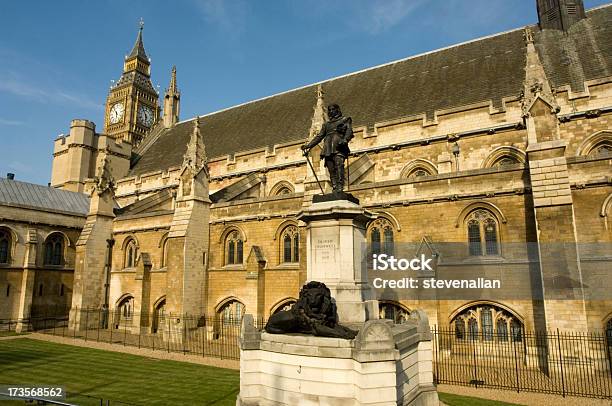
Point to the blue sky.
(57, 58)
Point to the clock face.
(145, 116)
(116, 113)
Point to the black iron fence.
(565, 363)
(206, 336)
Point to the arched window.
(601, 149)
(504, 156)
(54, 249)
(418, 168)
(393, 311)
(164, 253)
(159, 315)
(483, 233)
(282, 188)
(381, 236)
(487, 322)
(505, 160)
(290, 241)
(126, 308)
(231, 312)
(460, 329)
(418, 172)
(5, 246)
(473, 329)
(234, 248)
(131, 254)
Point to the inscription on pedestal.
(325, 250)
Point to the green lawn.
(110, 375)
(456, 400)
(10, 333)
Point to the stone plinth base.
(385, 364)
(335, 196)
(335, 242)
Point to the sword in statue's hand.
(305, 151)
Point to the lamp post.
(455, 150)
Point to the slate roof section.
(23, 194)
(488, 69)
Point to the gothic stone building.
(39, 227)
(501, 140)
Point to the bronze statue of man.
(337, 132)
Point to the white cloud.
(4, 121)
(14, 84)
(229, 16)
(381, 15)
(370, 16)
(20, 167)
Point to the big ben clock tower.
(132, 106)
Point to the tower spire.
(172, 101)
(172, 86)
(138, 50)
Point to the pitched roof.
(23, 194)
(488, 69)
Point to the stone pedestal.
(336, 243)
(385, 364)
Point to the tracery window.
(290, 244)
(487, 322)
(483, 235)
(381, 236)
(393, 311)
(284, 191)
(5, 246)
(505, 160)
(604, 148)
(231, 312)
(54, 249)
(131, 254)
(418, 172)
(125, 309)
(234, 248)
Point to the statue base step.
(329, 197)
(386, 364)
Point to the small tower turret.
(172, 102)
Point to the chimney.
(10, 176)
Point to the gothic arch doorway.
(159, 315)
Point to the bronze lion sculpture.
(314, 313)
